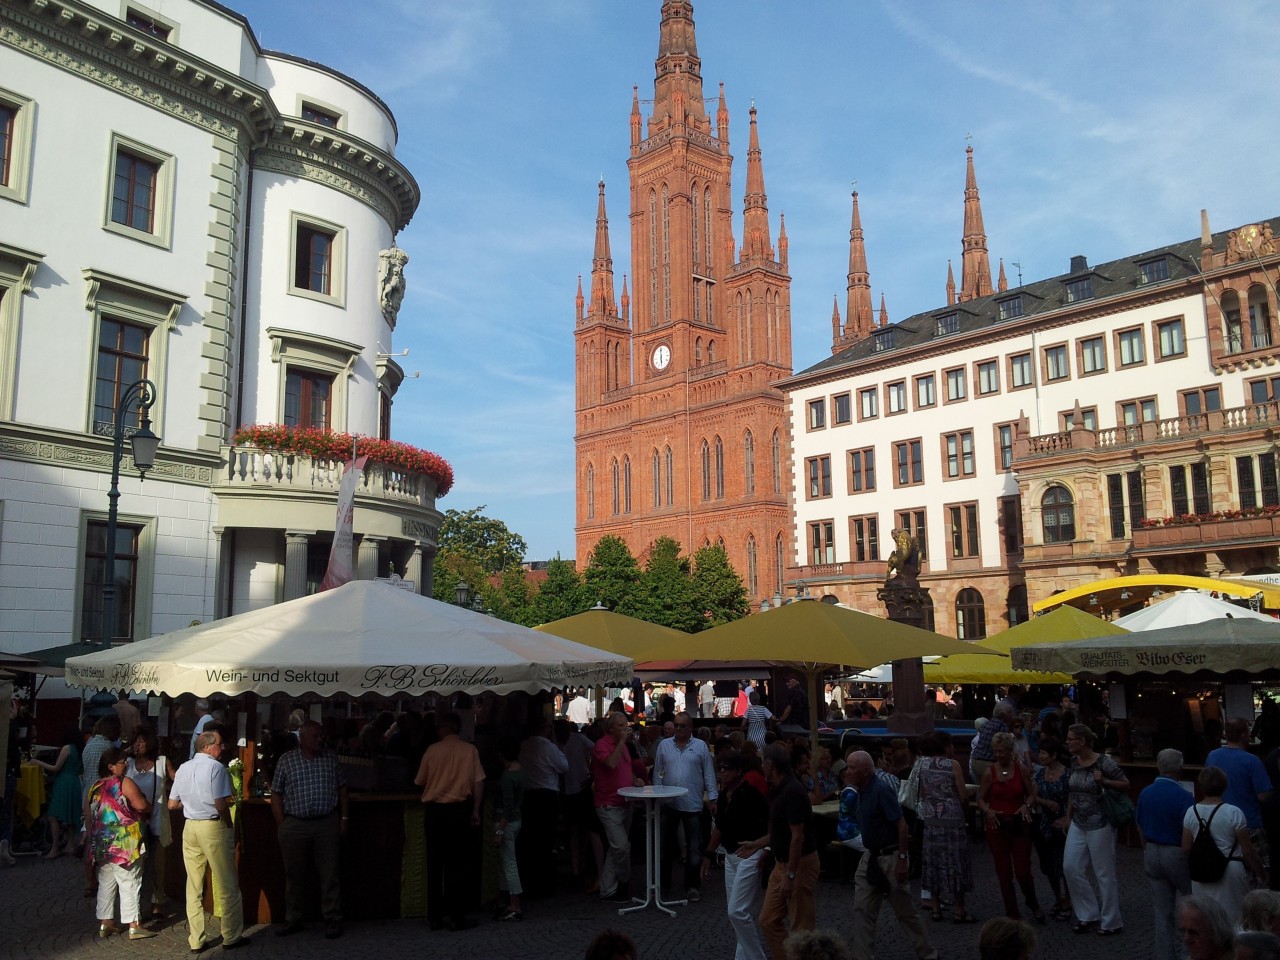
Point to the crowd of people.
(1037, 785)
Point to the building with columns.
(180, 205)
(680, 427)
(1093, 437)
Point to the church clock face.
(661, 357)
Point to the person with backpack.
(1215, 836)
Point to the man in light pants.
(1161, 808)
(611, 765)
(742, 815)
(202, 791)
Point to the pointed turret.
(1003, 283)
(756, 244)
(783, 243)
(677, 89)
(626, 301)
(722, 122)
(884, 311)
(837, 339)
(602, 302)
(579, 300)
(635, 119)
(951, 285)
(858, 309)
(975, 268)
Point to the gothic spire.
(677, 86)
(858, 310)
(602, 302)
(1003, 283)
(884, 311)
(837, 337)
(756, 244)
(626, 301)
(783, 243)
(975, 268)
(951, 285)
(579, 300)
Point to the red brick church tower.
(680, 431)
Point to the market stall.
(362, 641)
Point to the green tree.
(666, 590)
(487, 540)
(717, 589)
(512, 598)
(612, 577)
(560, 595)
(452, 566)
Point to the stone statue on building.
(904, 562)
(391, 282)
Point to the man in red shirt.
(611, 766)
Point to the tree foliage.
(612, 577)
(560, 595)
(487, 540)
(666, 591)
(719, 592)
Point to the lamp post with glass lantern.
(144, 444)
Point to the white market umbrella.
(1186, 606)
(363, 637)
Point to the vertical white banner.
(339, 570)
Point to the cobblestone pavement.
(44, 915)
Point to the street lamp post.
(144, 444)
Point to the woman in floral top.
(115, 810)
(1048, 837)
(1091, 841)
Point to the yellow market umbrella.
(1065, 623)
(812, 636)
(618, 633)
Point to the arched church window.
(719, 469)
(591, 491)
(753, 574)
(617, 488)
(706, 470)
(626, 485)
(657, 478)
(749, 463)
(670, 478)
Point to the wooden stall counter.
(382, 871)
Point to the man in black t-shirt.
(796, 712)
(793, 884)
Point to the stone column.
(295, 563)
(222, 581)
(427, 585)
(367, 562)
(413, 567)
(905, 604)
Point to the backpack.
(1206, 863)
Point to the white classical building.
(178, 204)
(1035, 439)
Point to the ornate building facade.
(1088, 438)
(680, 427)
(178, 204)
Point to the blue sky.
(1098, 128)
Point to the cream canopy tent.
(1187, 606)
(1215, 646)
(362, 638)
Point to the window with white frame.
(140, 197)
(958, 454)
(17, 115)
(868, 404)
(822, 542)
(1170, 338)
(817, 414)
(864, 532)
(1093, 355)
(1130, 348)
(988, 377)
(895, 397)
(312, 367)
(1021, 373)
(956, 387)
(1055, 363)
(318, 259)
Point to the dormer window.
(147, 23)
(881, 341)
(1010, 307)
(948, 324)
(1081, 289)
(1153, 271)
(314, 114)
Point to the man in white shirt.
(580, 710)
(707, 700)
(685, 761)
(202, 791)
(542, 763)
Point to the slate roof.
(1039, 298)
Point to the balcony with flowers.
(277, 477)
(1243, 527)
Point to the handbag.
(909, 789)
(1117, 808)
